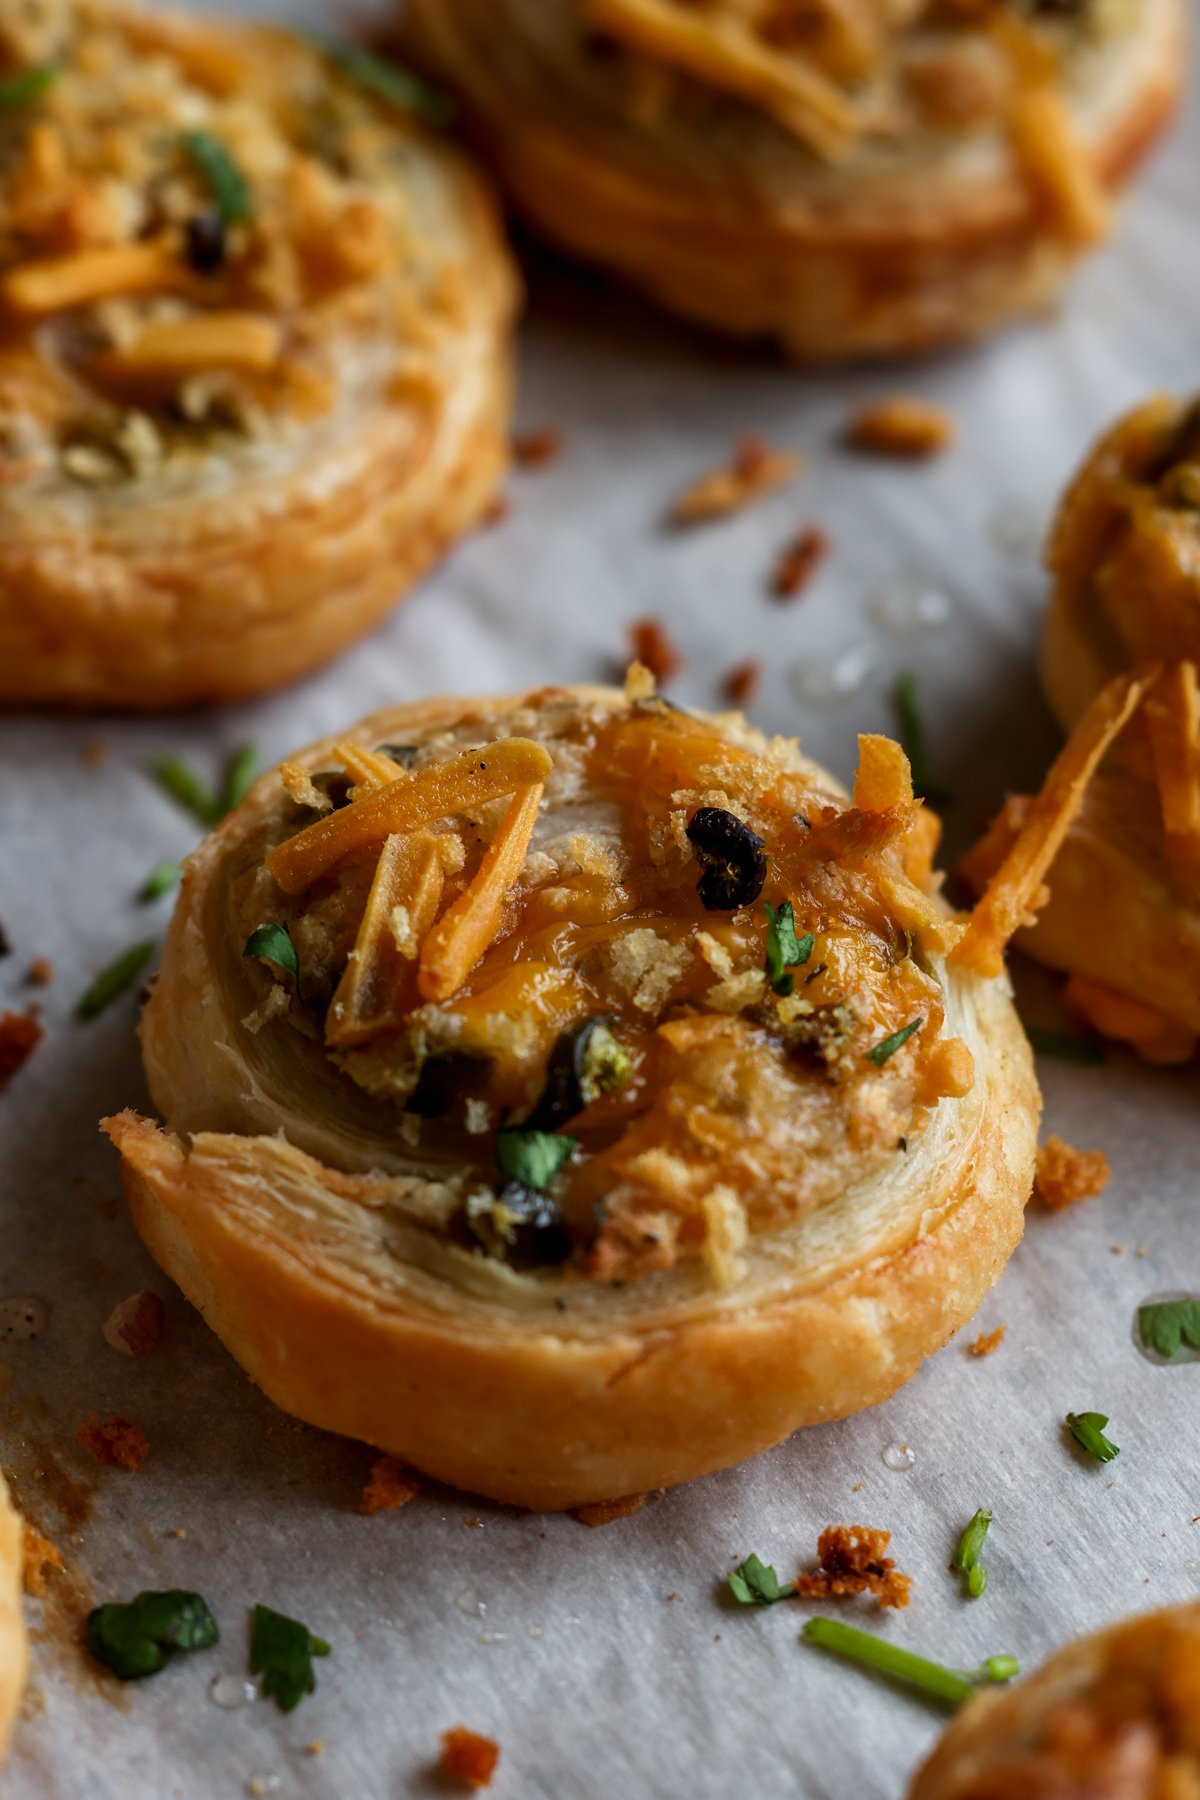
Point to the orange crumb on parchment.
(902, 425)
(987, 1341)
(116, 1440)
(603, 1512)
(389, 1486)
(654, 649)
(798, 562)
(20, 1035)
(853, 1562)
(742, 682)
(37, 1556)
(40, 972)
(536, 449)
(468, 1757)
(756, 469)
(1065, 1176)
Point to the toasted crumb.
(653, 649)
(389, 1486)
(20, 1035)
(299, 786)
(535, 449)
(603, 1512)
(903, 425)
(798, 562)
(742, 682)
(117, 1440)
(40, 972)
(133, 1326)
(853, 1562)
(639, 683)
(468, 1757)
(316, 1748)
(498, 509)
(756, 469)
(987, 1341)
(1065, 1176)
(95, 753)
(38, 1555)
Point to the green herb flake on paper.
(1088, 1431)
(966, 1556)
(755, 1583)
(1166, 1325)
(113, 981)
(138, 1638)
(281, 1652)
(952, 1685)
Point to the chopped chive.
(225, 181)
(977, 1580)
(1065, 1045)
(185, 787)
(161, 879)
(905, 1665)
(755, 1583)
(880, 1054)
(273, 943)
(966, 1557)
(906, 699)
(113, 981)
(1088, 1431)
(27, 85)
(239, 777)
(388, 81)
(784, 949)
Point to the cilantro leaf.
(274, 944)
(755, 1583)
(222, 175)
(1088, 1431)
(281, 1651)
(112, 982)
(532, 1157)
(138, 1638)
(879, 1055)
(1165, 1325)
(784, 949)
(388, 81)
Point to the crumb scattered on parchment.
(1065, 1175)
(756, 469)
(653, 648)
(38, 1555)
(389, 1486)
(603, 1512)
(95, 753)
(742, 682)
(468, 1757)
(497, 510)
(902, 425)
(798, 562)
(536, 449)
(134, 1325)
(316, 1748)
(853, 1562)
(116, 1440)
(40, 972)
(858, 1487)
(987, 1341)
(474, 1523)
(20, 1035)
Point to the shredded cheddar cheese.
(460, 938)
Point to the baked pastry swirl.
(849, 177)
(629, 1108)
(254, 353)
(1123, 917)
(1113, 1716)
(12, 1629)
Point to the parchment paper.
(607, 1662)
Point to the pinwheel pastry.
(850, 177)
(1123, 917)
(1113, 1716)
(254, 352)
(12, 1631)
(571, 1095)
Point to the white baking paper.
(608, 1663)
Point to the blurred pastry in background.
(848, 177)
(12, 1629)
(255, 374)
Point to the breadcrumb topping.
(468, 1758)
(1065, 1176)
(853, 1562)
(389, 1486)
(115, 1440)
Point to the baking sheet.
(608, 1662)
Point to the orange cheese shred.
(172, 349)
(368, 768)
(1013, 892)
(407, 804)
(466, 929)
(58, 282)
(368, 998)
(1173, 724)
(884, 778)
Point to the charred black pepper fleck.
(207, 242)
(734, 859)
(519, 1226)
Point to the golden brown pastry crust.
(899, 247)
(12, 1630)
(162, 546)
(1113, 1714)
(307, 1253)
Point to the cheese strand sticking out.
(466, 929)
(368, 997)
(1173, 724)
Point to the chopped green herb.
(161, 879)
(784, 949)
(27, 85)
(113, 981)
(274, 944)
(1065, 1045)
(532, 1157)
(239, 777)
(185, 787)
(140, 1637)
(907, 701)
(906, 1665)
(390, 82)
(1088, 1430)
(224, 178)
(1165, 1325)
(281, 1651)
(966, 1557)
(879, 1055)
(755, 1583)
